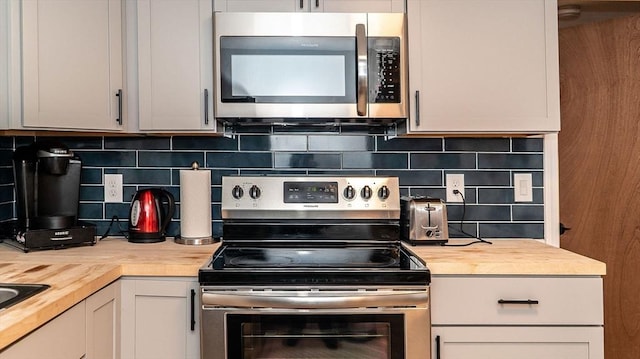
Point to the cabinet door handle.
(437, 347)
(119, 95)
(206, 106)
(302, 4)
(417, 108)
(193, 310)
(317, 4)
(526, 301)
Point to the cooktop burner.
(329, 265)
(292, 257)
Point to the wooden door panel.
(599, 160)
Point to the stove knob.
(383, 192)
(366, 192)
(349, 192)
(254, 192)
(237, 192)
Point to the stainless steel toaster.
(423, 220)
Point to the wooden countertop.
(506, 257)
(76, 273)
(70, 284)
(135, 259)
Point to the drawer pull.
(527, 301)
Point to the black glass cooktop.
(359, 257)
(338, 265)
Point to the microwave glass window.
(288, 69)
(288, 75)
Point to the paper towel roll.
(195, 203)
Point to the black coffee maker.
(47, 186)
(47, 180)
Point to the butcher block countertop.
(506, 257)
(76, 273)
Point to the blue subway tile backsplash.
(478, 144)
(273, 143)
(421, 164)
(462, 160)
(137, 143)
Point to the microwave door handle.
(361, 48)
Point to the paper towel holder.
(196, 240)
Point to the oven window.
(370, 336)
(288, 69)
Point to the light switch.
(522, 187)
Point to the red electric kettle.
(150, 213)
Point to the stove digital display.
(310, 192)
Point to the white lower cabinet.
(159, 318)
(87, 330)
(61, 338)
(460, 342)
(522, 317)
(103, 323)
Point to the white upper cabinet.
(72, 64)
(4, 65)
(483, 66)
(175, 65)
(357, 5)
(310, 5)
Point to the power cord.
(461, 230)
(120, 230)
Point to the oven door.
(333, 323)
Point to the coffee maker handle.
(171, 207)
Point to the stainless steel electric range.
(313, 267)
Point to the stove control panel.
(310, 197)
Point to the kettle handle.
(171, 207)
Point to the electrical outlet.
(455, 181)
(522, 191)
(113, 188)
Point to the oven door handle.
(315, 300)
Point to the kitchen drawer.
(533, 342)
(475, 300)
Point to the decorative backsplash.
(421, 164)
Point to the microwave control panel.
(384, 69)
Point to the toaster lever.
(431, 230)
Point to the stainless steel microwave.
(310, 65)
